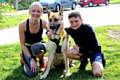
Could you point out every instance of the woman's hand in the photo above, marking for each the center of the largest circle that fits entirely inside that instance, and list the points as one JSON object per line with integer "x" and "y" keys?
{"x": 33, "y": 65}
{"x": 49, "y": 34}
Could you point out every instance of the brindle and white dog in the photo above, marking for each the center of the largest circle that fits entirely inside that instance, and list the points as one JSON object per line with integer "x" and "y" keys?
{"x": 57, "y": 44}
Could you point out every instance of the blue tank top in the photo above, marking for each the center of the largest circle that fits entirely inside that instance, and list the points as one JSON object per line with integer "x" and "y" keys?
{"x": 31, "y": 38}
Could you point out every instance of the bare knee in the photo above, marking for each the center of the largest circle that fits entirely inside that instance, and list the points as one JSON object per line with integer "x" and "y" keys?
{"x": 97, "y": 69}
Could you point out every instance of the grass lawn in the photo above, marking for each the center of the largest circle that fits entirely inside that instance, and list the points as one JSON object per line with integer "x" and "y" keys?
{"x": 115, "y": 1}
{"x": 109, "y": 38}
{"x": 11, "y": 20}
{"x": 14, "y": 20}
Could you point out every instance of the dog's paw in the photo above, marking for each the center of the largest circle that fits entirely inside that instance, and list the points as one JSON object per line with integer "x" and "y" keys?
{"x": 43, "y": 77}
{"x": 68, "y": 74}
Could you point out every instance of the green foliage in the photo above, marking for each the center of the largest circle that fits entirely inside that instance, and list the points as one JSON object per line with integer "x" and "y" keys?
{"x": 24, "y": 4}
{"x": 115, "y": 1}
{"x": 0, "y": 15}
{"x": 6, "y": 8}
{"x": 10, "y": 68}
{"x": 10, "y": 1}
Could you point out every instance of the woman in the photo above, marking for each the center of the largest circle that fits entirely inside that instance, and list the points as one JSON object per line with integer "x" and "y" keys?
{"x": 30, "y": 35}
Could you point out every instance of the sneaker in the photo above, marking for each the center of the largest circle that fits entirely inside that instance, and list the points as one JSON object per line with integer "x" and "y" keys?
{"x": 43, "y": 65}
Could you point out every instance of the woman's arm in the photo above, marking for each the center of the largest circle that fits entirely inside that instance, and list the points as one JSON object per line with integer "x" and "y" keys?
{"x": 48, "y": 31}
{"x": 22, "y": 39}
{"x": 45, "y": 25}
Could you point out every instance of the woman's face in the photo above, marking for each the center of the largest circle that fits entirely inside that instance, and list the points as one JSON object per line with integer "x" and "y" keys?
{"x": 75, "y": 22}
{"x": 35, "y": 12}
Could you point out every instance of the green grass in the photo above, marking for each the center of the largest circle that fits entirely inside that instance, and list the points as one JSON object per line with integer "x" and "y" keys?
{"x": 115, "y": 1}
{"x": 11, "y": 20}
{"x": 14, "y": 20}
{"x": 10, "y": 68}
{"x": 112, "y": 52}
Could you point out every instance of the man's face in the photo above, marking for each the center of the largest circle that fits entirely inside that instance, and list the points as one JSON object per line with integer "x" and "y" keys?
{"x": 75, "y": 22}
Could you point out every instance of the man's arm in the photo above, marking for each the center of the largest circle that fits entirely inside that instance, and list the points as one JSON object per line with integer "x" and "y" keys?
{"x": 92, "y": 41}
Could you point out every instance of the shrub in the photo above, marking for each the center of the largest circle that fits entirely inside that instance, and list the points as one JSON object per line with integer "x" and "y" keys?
{"x": 24, "y": 4}
{"x": 0, "y": 15}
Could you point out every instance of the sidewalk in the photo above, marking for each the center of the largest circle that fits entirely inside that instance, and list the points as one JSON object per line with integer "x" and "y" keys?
{"x": 16, "y": 12}
{"x": 9, "y": 36}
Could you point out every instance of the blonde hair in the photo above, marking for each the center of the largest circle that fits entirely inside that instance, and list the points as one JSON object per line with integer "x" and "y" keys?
{"x": 36, "y": 4}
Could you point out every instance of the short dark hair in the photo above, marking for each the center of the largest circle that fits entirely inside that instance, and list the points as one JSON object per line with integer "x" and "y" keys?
{"x": 74, "y": 14}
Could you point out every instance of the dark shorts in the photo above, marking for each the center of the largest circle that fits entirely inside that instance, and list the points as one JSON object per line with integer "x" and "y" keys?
{"x": 95, "y": 57}
{"x": 34, "y": 49}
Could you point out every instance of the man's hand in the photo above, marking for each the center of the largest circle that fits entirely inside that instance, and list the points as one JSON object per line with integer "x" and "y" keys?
{"x": 76, "y": 47}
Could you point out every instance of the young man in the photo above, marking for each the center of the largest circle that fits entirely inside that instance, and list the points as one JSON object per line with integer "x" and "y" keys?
{"x": 86, "y": 44}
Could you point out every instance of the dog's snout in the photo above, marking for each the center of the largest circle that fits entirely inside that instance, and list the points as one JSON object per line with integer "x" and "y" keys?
{"x": 52, "y": 27}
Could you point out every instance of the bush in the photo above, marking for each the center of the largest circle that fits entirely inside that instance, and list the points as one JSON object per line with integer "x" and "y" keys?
{"x": 0, "y": 15}
{"x": 6, "y": 8}
{"x": 115, "y": 1}
{"x": 24, "y": 4}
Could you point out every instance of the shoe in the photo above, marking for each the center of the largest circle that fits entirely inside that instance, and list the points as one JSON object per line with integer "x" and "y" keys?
{"x": 43, "y": 65}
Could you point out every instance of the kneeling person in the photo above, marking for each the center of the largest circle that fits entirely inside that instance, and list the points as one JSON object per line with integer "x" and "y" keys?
{"x": 86, "y": 44}
{"x": 30, "y": 35}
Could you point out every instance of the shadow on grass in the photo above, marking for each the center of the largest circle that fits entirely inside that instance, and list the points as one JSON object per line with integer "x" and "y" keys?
{"x": 55, "y": 74}
{"x": 81, "y": 75}
{"x": 18, "y": 74}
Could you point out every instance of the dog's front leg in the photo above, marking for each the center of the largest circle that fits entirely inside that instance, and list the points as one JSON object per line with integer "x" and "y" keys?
{"x": 51, "y": 54}
{"x": 65, "y": 47}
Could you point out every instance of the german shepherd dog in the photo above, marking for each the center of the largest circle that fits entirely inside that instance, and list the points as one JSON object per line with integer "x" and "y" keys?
{"x": 57, "y": 44}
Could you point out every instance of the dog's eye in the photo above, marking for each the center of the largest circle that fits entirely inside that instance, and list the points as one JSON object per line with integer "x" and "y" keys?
{"x": 55, "y": 19}
{"x": 50, "y": 20}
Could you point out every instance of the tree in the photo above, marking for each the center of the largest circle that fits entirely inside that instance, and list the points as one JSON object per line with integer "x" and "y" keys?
{"x": 20, "y": 4}
{"x": 14, "y": 3}
{"x": 0, "y": 15}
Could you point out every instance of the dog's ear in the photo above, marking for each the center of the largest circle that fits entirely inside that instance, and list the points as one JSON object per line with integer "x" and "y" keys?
{"x": 61, "y": 11}
{"x": 49, "y": 12}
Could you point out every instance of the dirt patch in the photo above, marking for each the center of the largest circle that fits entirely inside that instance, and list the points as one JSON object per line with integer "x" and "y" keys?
{"x": 114, "y": 34}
